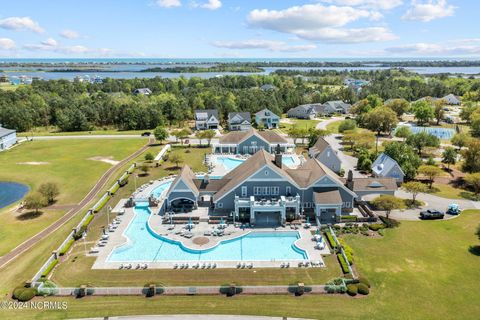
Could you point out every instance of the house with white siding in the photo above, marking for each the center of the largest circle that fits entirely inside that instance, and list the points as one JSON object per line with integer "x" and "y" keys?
{"x": 206, "y": 119}
{"x": 8, "y": 138}
{"x": 239, "y": 121}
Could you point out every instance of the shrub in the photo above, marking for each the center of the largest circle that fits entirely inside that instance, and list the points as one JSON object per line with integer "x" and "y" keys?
{"x": 149, "y": 157}
{"x": 24, "y": 294}
{"x": 88, "y": 220}
{"x": 352, "y": 289}
{"x": 49, "y": 268}
{"x": 364, "y": 281}
{"x": 114, "y": 188}
{"x": 348, "y": 251}
{"x": 376, "y": 226}
{"x": 79, "y": 234}
{"x": 99, "y": 205}
{"x": 330, "y": 240}
{"x": 230, "y": 289}
{"x": 389, "y": 222}
{"x": 66, "y": 247}
{"x": 363, "y": 289}
{"x": 347, "y": 125}
{"x": 343, "y": 263}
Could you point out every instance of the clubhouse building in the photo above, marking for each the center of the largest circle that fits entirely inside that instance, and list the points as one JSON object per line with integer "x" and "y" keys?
{"x": 264, "y": 192}
{"x": 251, "y": 141}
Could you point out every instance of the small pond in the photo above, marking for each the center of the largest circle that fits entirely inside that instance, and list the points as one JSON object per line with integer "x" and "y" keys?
{"x": 11, "y": 192}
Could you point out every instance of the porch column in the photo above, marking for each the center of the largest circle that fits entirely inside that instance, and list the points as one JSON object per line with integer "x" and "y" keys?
{"x": 252, "y": 211}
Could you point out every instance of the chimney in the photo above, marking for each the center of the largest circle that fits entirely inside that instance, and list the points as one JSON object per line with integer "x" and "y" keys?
{"x": 278, "y": 157}
{"x": 350, "y": 180}
{"x": 206, "y": 179}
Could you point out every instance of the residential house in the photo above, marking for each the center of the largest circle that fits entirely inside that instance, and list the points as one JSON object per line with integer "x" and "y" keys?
{"x": 142, "y": 91}
{"x": 386, "y": 167}
{"x": 206, "y": 119}
{"x": 323, "y": 152}
{"x": 239, "y": 121}
{"x": 264, "y": 192}
{"x": 7, "y": 138}
{"x": 267, "y": 119}
{"x": 304, "y": 111}
{"x": 355, "y": 84}
{"x": 452, "y": 100}
{"x": 249, "y": 142}
{"x": 338, "y": 106}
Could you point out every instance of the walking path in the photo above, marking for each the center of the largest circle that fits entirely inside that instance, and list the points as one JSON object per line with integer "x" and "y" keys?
{"x": 10, "y": 256}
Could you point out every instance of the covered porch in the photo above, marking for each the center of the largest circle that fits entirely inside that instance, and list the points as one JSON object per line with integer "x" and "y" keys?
{"x": 267, "y": 211}
{"x": 328, "y": 205}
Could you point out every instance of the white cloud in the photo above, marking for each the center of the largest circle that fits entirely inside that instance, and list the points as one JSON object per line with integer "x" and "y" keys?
{"x": 69, "y": 34}
{"x": 169, "y": 3}
{"x": 321, "y": 23}
{"x": 270, "y": 45}
{"x": 428, "y": 11}
{"x": 373, "y": 4}
{"x": 451, "y": 48}
{"x": 7, "y": 44}
{"x": 52, "y": 45}
{"x": 210, "y": 4}
{"x": 20, "y": 23}
{"x": 344, "y": 35}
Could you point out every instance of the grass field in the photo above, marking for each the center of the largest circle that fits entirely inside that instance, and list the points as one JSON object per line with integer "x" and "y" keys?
{"x": 299, "y": 123}
{"x": 54, "y": 131}
{"x": 333, "y": 127}
{"x": 67, "y": 164}
{"x": 412, "y": 279}
{"x": 8, "y": 86}
{"x": 446, "y": 191}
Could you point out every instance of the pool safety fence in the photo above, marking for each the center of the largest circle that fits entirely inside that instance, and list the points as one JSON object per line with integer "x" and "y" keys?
{"x": 82, "y": 225}
{"x": 151, "y": 290}
{"x": 342, "y": 252}
{"x": 162, "y": 152}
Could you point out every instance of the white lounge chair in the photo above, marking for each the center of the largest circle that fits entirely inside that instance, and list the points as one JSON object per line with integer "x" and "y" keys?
{"x": 175, "y": 266}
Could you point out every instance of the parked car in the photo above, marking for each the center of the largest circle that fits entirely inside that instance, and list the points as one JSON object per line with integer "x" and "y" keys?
{"x": 146, "y": 134}
{"x": 431, "y": 214}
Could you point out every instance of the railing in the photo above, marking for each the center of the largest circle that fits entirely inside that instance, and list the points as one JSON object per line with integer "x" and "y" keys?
{"x": 342, "y": 251}
{"x": 180, "y": 290}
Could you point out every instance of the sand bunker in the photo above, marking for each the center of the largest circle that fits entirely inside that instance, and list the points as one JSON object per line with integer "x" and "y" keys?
{"x": 34, "y": 163}
{"x": 108, "y": 160}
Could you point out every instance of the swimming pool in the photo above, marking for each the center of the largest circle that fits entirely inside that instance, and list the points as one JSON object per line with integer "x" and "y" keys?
{"x": 158, "y": 191}
{"x": 146, "y": 246}
{"x": 441, "y": 133}
{"x": 231, "y": 163}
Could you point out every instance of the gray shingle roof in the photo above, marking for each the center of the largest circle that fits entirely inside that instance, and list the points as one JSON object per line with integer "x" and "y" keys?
{"x": 241, "y": 115}
{"x": 383, "y": 164}
{"x": 238, "y": 136}
{"x": 5, "y": 132}
{"x": 209, "y": 113}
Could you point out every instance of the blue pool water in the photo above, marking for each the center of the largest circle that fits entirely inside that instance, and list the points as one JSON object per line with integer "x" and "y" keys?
{"x": 146, "y": 246}
{"x": 441, "y": 133}
{"x": 232, "y": 163}
{"x": 158, "y": 191}
{"x": 11, "y": 192}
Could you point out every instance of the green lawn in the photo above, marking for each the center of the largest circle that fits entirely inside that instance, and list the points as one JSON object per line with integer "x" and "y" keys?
{"x": 67, "y": 164}
{"x": 412, "y": 279}
{"x": 8, "y": 86}
{"x": 333, "y": 127}
{"x": 446, "y": 191}
{"x": 299, "y": 123}
{"x": 54, "y": 131}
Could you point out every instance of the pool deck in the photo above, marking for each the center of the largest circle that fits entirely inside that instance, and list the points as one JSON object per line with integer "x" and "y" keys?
{"x": 116, "y": 238}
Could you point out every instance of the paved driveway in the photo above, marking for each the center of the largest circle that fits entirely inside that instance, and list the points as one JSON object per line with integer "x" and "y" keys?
{"x": 431, "y": 202}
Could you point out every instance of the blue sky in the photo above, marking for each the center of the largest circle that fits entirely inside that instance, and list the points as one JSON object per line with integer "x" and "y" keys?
{"x": 239, "y": 28}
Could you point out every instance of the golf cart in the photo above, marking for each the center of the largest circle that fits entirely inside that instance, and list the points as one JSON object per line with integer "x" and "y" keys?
{"x": 453, "y": 209}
